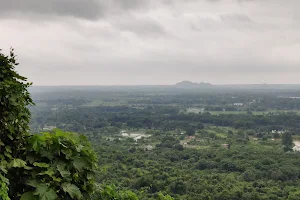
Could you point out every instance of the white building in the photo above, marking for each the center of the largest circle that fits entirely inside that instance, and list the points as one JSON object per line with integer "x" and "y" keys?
{"x": 238, "y": 104}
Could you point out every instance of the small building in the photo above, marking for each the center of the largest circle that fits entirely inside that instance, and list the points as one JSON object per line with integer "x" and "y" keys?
{"x": 238, "y": 104}
{"x": 226, "y": 146}
{"x": 124, "y": 133}
{"x": 149, "y": 148}
{"x": 280, "y": 132}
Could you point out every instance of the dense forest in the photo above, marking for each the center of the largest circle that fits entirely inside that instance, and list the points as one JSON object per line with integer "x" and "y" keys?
{"x": 183, "y": 144}
{"x": 145, "y": 143}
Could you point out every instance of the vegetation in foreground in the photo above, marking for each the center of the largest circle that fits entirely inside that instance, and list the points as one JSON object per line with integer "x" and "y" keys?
{"x": 144, "y": 149}
{"x": 46, "y": 166}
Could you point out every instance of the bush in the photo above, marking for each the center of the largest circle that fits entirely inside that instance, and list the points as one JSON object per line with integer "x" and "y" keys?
{"x": 62, "y": 164}
{"x": 110, "y": 192}
{"x": 14, "y": 119}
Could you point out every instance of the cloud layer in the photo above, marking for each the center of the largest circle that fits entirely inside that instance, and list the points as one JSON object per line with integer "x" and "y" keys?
{"x": 66, "y": 42}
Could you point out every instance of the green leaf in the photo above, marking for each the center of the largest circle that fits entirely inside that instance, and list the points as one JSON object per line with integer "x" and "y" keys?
{"x": 7, "y": 155}
{"x": 30, "y": 158}
{"x": 68, "y": 153}
{"x": 56, "y": 179}
{"x": 45, "y": 193}
{"x": 38, "y": 141}
{"x": 42, "y": 165}
{"x": 29, "y": 196}
{"x": 79, "y": 148}
{"x": 32, "y": 183}
{"x": 64, "y": 173}
{"x": 41, "y": 189}
{"x": 49, "y": 172}
{"x": 28, "y": 168}
{"x": 90, "y": 176}
{"x": 17, "y": 163}
{"x": 10, "y": 137}
{"x": 8, "y": 149}
{"x": 72, "y": 190}
{"x": 80, "y": 164}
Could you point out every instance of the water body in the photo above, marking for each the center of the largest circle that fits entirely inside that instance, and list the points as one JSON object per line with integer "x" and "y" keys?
{"x": 297, "y": 143}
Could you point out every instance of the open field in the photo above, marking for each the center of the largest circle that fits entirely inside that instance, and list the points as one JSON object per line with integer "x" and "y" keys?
{"x": 103, "y": 103}
{"x": 253, "y": 112}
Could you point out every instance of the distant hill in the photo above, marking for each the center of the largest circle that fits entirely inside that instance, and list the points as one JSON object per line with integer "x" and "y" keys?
{"x": 192, "y": 84}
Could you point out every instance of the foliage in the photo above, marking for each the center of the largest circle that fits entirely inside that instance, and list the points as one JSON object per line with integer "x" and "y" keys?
{"x": 62, "y": 165}
{"x": 14, "y": 119}
{"x": 287, "y": 141}
{"x": 46, "y": 166}
{"x": 110, "y": 192}
{"x": 83, "y": 119}
{"x": 161, "y": 196}
{"x": 190, "y": 131}
{"x": 243, "y": 172}
{"x": 200, "y": 167}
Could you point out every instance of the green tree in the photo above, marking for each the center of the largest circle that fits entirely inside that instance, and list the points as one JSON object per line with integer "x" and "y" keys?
{"x": 294, "y": 195}
{"x": 14, "y": 119}
{"x": 190, "y": 131}
{"x": 110, "y": 192}
{"x": 287, "y": 141}
{"x": 62, "y": 166}
{"x": 161, "y": 196}
{"x": 45, "y": 166}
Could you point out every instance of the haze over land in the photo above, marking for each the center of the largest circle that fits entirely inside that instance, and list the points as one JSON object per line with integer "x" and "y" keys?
{"x": 145, "y": 42}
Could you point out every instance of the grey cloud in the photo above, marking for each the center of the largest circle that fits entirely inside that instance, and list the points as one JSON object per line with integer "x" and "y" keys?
{"x": 235, "y": 0}
{"x": 139, "y": 25}
{"x": 235, "y": 17}
{"x": 131, "y": 4}
{"x": 224, "y": 21}
{"x": 87, "y": 9}
{"x": 140, "y": 41}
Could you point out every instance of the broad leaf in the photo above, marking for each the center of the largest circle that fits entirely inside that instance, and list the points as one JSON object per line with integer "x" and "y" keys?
{"x": 29, "y": 196}
{"x": 17, "y": 163}
{"x": 32, "y": 183}
{"x": 72, "y": 190}
{"x": 42, "y": 165}
{"x": 80, "y": 164}
{"x": 64, "y": 173}
{"x": 45, "y": 193}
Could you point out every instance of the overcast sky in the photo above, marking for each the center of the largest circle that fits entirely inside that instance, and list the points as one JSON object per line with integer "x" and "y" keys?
{"x": 128, "y": 42}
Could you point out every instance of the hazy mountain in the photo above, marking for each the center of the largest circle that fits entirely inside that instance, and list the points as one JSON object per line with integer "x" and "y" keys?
{"x": 192, "y": 84}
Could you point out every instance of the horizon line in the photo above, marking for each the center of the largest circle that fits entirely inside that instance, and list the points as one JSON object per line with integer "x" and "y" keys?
{"x": 232, "y": 84}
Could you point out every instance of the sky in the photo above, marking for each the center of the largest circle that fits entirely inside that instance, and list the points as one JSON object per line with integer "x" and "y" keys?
{"x": 153, "y": 42}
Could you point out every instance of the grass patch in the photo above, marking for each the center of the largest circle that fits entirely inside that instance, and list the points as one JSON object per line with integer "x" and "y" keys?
{"x": 253, "y": 112}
